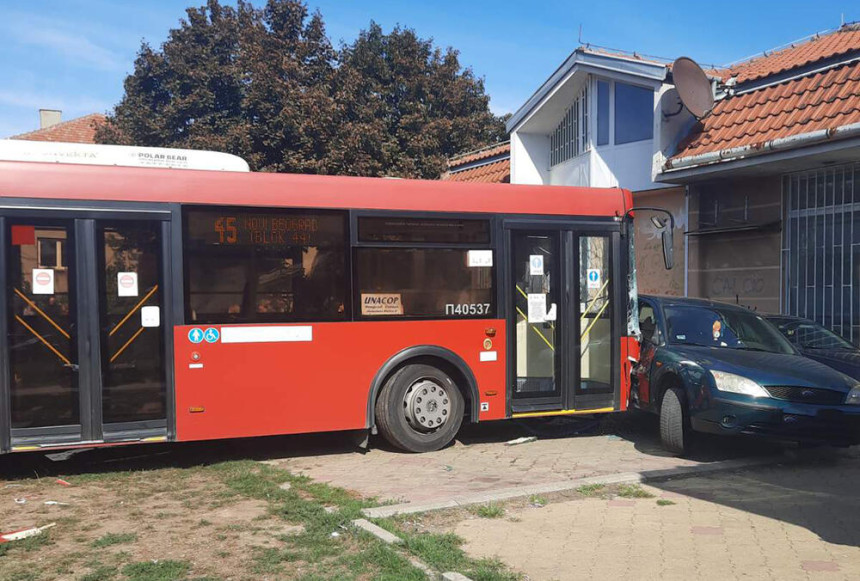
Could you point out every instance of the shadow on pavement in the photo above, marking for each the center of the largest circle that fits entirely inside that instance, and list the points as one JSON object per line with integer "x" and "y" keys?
{"x": 815, "y": 489}
{"x": 175, "y": 455}
{"x": 638, "y": 428}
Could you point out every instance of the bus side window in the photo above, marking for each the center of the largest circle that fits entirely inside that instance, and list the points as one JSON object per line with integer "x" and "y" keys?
{"x": 265, "y": 265}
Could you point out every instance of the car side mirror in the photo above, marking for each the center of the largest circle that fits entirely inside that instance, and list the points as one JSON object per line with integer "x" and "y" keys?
{"x": 668, "y": 247}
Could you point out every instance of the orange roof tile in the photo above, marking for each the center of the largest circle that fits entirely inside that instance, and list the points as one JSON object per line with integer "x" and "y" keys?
{"x": 479, "y": 154}
{"x": 79, "y": 130}
{"x": 823, "y": 100}
{"x": 497, "y": 168}
{"x": 497, "y": 172}
{"x": 842, "y": 41}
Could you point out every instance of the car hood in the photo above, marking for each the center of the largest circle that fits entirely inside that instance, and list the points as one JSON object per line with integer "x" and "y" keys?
{"x": 767, "y": 368}
{"x": 844, "y": 360}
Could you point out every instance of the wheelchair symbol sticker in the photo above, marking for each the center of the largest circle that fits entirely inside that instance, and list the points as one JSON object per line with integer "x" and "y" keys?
{"x": 195, "y": 335}
{"x": 211, "y": 335}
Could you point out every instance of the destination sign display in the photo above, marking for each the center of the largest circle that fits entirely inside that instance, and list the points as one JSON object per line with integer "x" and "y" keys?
{"x": 262, "y": 230}
{"x": 265, "y": 229}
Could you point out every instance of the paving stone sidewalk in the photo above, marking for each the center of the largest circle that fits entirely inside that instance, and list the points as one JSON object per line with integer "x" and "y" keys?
{"x": 481, "y": 462}
{"x": 786, "y": 522}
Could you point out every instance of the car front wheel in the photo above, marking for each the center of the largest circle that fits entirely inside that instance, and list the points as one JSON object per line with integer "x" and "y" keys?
{"x": 673, "y": 421}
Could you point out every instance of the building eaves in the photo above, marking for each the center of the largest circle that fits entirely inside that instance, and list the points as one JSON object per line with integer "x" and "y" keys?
{"x": 591, "y": 60}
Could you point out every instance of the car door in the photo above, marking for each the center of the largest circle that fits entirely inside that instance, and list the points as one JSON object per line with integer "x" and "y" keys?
{"x": 648, "y": 350}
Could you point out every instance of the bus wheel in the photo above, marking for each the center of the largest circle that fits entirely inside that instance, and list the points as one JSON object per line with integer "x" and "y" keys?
{"x": 420, "y": 408}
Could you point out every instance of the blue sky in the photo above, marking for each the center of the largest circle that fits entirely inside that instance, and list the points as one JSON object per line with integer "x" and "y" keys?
{"x": 74, "y": 54}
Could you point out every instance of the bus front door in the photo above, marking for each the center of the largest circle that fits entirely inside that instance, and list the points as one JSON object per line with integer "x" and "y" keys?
{"x": 82, "y": 343}
{"x": 562, "y": 318}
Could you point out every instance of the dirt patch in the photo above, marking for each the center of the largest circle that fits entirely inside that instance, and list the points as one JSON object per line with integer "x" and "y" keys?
{"x": 107, "y": 522}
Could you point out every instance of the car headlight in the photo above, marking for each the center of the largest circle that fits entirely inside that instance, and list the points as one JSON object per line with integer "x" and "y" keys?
{"x": 738, "y": 384}
{"x": 853, "y": 396}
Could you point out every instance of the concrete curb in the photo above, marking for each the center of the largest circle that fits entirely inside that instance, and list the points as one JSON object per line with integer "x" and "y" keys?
{"x": 566, "y": 485}
{"x": 378, "y": 532}
{"x": 392, "y": 539}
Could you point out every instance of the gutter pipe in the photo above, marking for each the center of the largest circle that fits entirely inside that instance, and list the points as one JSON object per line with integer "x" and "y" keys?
{"x": 781, "y": 143}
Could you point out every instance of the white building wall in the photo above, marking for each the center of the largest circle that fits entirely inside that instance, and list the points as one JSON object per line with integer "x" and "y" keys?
{"x": 573, "y": 172}
{"x": 529, "y": 158}
{"x": 631, "y": 165}
{"x": 627, "y": 166}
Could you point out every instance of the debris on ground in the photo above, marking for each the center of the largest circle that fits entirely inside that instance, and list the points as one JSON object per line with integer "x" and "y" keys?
{"x": 55, "y": 503}
{"x": 62, "y": 456}
{"x": 63, "y": 482}
{"x": 24, "y": 533}
{"x": 20, "y": 501}
{"x": 522, "y": 440}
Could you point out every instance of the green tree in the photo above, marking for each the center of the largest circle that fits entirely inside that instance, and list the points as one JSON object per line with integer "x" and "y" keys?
{"x": 267, "y": 85}
{"x": 405, "y": 107}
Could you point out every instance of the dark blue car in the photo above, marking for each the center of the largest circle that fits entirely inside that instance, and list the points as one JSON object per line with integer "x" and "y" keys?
{"x": 723, "y": 369}
{"x": 820, "y": 343}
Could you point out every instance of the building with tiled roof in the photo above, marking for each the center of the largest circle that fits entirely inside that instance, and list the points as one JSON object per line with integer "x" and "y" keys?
{"x": 763, "y": 188}
{"x": 491, "y": 164}
{"x": 805, "y": 93}
{"x": 78, "y": 130}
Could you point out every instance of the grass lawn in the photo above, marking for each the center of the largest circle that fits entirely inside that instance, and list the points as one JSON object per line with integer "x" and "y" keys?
{"x": 234, "y": 520}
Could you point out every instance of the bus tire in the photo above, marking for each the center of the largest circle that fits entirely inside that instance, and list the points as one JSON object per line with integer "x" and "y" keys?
{"x": 673, "y": 421}
{"x": 419, "y": 409}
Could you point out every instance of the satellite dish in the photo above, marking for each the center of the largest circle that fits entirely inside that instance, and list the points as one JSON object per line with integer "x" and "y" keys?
{"x": 693, "y": 86}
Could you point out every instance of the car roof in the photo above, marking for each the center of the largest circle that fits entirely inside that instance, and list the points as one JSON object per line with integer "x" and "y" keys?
{"x": 788, "y": 319}
{"x": 669, "y": 301}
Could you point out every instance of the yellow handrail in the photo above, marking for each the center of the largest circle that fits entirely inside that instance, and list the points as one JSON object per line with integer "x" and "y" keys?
{"x": 133, "y": 311}
{"x": 62, "y": 357}
{"x": 41, "y": 312}
{"x": 127, "y": 343}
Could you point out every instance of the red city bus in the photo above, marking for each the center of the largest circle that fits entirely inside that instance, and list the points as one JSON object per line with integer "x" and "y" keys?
{"x": 146, "y": 304}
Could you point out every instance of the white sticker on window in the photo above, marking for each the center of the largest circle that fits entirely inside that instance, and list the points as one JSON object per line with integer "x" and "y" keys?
{"x": 126, "y": 284}
{"x": 375, "y": 304}
{"x": 536, "y": 265}
{"x": 479, "y": 258}
{"x": 593, "y": 278}
{"x": 551, "y": 314}
{"x": 537, "y": 308}
{"x": 150, "y": 317}
{"x": 43, "y": 281}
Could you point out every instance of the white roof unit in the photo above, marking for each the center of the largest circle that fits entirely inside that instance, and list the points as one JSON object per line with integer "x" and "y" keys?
{"x": 122, "y": 155}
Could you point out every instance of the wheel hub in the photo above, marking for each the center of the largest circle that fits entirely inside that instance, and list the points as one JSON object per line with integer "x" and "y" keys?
{"x": 427, "y": 405}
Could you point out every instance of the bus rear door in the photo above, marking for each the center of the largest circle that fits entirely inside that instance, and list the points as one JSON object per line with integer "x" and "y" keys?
{"x": 82, "y": 332}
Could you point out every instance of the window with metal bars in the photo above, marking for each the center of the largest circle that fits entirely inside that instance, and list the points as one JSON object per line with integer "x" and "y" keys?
{"x": 570, "y": 137}
{"x": 821, "y": 248}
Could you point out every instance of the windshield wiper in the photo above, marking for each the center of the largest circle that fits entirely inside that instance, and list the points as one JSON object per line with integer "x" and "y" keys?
{"x": 746, "y": 348}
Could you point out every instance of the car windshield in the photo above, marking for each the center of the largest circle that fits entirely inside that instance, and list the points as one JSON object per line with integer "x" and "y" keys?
{"x": 725, "y": 328}
{"x": 811, "y": 335}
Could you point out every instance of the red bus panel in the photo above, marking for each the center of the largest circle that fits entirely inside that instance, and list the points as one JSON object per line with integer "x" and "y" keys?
{"x": 296, "y": 385}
